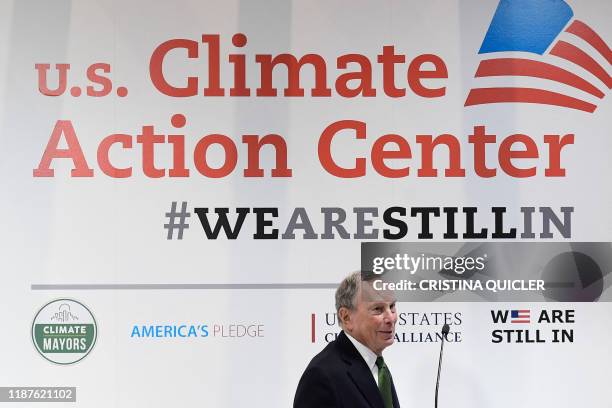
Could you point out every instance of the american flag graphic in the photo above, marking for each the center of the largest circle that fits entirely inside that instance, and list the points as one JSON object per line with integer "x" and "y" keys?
{"x": 520, "y": 316}
{"x": 566, "y": 61}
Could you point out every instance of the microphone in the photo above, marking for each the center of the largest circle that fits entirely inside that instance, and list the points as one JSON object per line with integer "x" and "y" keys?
{"x": 445, "y": 330}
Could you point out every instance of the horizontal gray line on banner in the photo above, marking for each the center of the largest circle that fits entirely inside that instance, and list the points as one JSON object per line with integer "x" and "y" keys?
{"x": 182, "y": 286}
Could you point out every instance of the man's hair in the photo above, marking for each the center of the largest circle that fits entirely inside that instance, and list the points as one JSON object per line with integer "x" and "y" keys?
{"x": 346, "y": 293}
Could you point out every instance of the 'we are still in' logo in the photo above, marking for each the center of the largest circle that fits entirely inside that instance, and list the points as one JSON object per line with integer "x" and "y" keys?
{"x": 541, "y": 40}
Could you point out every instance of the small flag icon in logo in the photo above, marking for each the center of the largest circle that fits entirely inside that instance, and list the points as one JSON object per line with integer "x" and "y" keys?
{"x": 520, "y": 316}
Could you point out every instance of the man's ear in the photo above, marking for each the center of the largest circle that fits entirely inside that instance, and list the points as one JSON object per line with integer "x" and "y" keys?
{"x": 344, "y": 315}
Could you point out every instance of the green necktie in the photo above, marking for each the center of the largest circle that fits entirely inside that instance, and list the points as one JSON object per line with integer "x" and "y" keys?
{"x": 384, "y": 382}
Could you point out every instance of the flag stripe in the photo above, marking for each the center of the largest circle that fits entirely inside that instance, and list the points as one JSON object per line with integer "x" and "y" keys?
{"x": 536, "y": 69}
{"x": 481, "y": 96}
{"x": 580, "y": 29}
{"x": 574, "y": 54}
{"x": 520, "y": 321}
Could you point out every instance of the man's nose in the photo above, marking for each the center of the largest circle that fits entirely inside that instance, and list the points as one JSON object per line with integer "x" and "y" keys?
{"x": 390, "y": 316}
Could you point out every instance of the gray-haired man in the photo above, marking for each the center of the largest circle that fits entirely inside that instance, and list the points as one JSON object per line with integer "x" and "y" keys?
{"x": 350, "y": 372}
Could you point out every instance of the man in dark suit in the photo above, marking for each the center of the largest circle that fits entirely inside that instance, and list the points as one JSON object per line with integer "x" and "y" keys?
{"x": 350, "y": 372}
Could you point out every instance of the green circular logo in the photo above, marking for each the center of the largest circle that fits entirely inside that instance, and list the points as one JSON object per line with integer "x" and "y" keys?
{"x": 64, "y": 331}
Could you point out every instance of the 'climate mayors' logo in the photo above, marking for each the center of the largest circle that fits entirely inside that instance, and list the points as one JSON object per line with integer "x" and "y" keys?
{"x": 64, "y": 331}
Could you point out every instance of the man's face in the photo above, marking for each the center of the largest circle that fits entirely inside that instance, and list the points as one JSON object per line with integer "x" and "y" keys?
{"x": 372, "y": 321}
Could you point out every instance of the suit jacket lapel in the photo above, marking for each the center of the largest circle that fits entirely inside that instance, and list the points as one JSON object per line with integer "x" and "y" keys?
{"x": 395, "y": 400}
{"x": 359, "y": 372}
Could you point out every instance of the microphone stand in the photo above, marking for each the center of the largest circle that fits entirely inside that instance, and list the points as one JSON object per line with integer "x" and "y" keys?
{"x": 445, "y": 330}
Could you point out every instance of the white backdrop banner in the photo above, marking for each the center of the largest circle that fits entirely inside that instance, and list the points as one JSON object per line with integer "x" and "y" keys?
{"x": 186, "y": 182}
